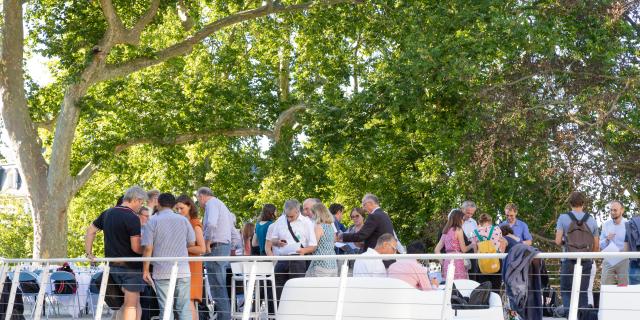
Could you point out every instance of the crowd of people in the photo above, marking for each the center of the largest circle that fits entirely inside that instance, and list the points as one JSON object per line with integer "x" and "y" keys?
{"x": 154, "y": 224}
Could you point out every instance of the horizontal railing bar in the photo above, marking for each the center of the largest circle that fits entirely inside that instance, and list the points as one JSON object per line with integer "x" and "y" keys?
{"x": 426, "y": 256}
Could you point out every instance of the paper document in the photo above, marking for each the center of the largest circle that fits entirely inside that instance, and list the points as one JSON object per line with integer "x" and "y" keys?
{"x": 290, "y": 248}
{"x": 612, "y": 248}
{"x": 348, "y": 244}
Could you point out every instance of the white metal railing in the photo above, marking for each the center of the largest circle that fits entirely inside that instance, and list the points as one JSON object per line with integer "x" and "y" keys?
{"x": 5, "y": 268}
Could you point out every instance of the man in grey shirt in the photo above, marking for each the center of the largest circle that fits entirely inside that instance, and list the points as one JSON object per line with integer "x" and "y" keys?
{"x": 577, "y": 201}
{"x": 217, "y": 222}
{"x": 168, "y": 234}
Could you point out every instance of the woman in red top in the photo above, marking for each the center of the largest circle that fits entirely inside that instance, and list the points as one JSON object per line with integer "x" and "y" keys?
{"x": 186, "y": 208}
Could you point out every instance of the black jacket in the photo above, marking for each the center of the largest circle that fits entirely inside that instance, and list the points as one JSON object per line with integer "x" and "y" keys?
{"x": 377, "y": 224}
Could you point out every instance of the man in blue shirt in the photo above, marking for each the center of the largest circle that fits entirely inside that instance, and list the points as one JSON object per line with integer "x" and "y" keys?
{"x": 336, "y": 210}
{"x": 520, "y": 229}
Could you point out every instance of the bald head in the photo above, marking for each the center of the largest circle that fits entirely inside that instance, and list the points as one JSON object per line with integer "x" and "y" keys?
{"x": 307, "y": 204}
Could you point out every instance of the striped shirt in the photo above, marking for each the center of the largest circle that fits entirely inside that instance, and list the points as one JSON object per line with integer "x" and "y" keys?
{"x": 170, "y": 234}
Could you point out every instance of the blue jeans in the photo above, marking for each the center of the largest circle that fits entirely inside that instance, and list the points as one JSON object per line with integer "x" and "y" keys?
{"x": 566, "y": 281}
{"x": 217, "y": 275}
{"x": 182, "y": 296}
{"x": 634, "y": 271}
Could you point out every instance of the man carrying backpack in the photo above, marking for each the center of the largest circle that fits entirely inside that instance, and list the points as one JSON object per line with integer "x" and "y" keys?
{"x": 576, "y": 231}
{"x": 632, "y": 243}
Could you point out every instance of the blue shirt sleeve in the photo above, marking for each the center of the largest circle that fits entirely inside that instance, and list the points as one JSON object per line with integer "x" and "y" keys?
{"x": 526, "y": 235}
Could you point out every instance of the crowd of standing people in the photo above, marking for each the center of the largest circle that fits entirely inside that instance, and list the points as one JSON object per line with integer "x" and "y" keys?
{"x": 154, "y": 224}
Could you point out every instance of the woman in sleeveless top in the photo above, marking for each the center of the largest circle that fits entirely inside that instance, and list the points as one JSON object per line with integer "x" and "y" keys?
{"x": 267, "y": 217}
{"x": 512, "y": 240}
{"x": 326, "y": 242}
{"x": 186, "y": 208}
{"x": 453, "y": 241}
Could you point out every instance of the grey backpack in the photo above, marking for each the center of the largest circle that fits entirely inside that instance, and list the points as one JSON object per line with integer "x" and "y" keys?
{"x": 579, "y": 237}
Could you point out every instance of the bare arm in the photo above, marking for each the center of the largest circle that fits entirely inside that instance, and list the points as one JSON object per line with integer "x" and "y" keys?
{"x": 559, "y": 237}
{"x": 460, "y": 237}
{"x": 135, "y": 244}
{"x": 503, "y": 245}
{"x": 528, "y": 242}
{"x": 267, "y": 247}
{"x": 596, "y": 244}
{"x": 88, "y": 240}
{"x": 148, "y": 250}
{"x": 439, "y": 246}
{"x": 310, "y": 249}
{"x": 199, "y": 246}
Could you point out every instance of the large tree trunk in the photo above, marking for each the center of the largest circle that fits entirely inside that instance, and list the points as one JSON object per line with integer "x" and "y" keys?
{"x": 50, "y": 226}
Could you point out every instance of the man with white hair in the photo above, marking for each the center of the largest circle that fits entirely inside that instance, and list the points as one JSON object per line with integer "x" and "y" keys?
{"x": 469, "y": 224}
{"x": 217, "y": 225}
{"x": 121, "y": 227}
{"x": 377, "y": 224}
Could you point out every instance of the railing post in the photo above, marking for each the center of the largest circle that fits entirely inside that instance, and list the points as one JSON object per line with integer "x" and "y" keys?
{"x": 44, "y": 279}
{"x": 168, "y": 304}
{"x": 103, "y": 291}
{"x": 248, "y": 298}
{"x": 14, "y": 288}
{"x": 575, "y": 290}
{"x": 3, "y": 274}
{"x": 448, "y": 288}
{"x": 344, "y": 270}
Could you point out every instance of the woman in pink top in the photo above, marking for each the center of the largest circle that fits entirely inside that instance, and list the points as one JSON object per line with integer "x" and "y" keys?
{"x": 453, "y": 242}
{"x": 411, "y": 271}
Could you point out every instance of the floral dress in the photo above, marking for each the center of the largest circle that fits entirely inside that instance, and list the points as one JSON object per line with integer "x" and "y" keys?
{"x": 452, "y": 245}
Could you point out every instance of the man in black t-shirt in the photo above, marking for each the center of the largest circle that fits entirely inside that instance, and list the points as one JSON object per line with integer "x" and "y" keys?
{"x": 121, "y": 227}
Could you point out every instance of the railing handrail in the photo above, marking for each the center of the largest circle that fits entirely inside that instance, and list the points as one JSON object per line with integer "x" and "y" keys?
{"x": 425, "y": 256}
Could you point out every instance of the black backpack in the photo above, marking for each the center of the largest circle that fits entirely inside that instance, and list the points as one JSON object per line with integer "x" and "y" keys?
{"x": 478, "y": 299}
{"x": 579, "y": 237}
{"x": 65, "y": 286}
{"x": 29, "y": 286}
{"x": 549, "y": 301}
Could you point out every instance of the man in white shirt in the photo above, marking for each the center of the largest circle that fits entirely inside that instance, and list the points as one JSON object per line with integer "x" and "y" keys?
{"x": 217, "y": 224}
{"x": 469, "y": 224}
{"x": 613, "y": 233}
{"x": 386, "y": 244}
{"x": 290, "y": 236}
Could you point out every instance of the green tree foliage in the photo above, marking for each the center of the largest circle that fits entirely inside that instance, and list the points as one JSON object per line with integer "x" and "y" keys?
{"x": 16, "y": 229}
{"x": 424, "y": 103}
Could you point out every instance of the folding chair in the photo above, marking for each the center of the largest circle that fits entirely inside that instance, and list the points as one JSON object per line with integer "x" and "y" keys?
{"x": 63, "y": 276}
{"x": 30, "y": 288}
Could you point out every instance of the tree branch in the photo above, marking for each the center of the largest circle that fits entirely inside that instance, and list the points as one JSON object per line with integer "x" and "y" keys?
{"x": 109, "y": 12}
{"x": 186, "y": 46}
{"x": 537, "y": 236}
{"x": 133, "y": 36}
{"x": 285, "y": 118}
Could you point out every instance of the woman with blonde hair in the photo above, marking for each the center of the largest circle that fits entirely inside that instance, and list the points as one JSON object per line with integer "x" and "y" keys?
{"x": 326, "y": 241}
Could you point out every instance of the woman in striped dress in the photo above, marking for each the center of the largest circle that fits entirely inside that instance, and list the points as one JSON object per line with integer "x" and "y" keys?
{"x": 326, "y": 242}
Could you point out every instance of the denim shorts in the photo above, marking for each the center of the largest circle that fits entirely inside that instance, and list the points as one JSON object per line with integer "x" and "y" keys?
{"x": 129, "y": 279}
